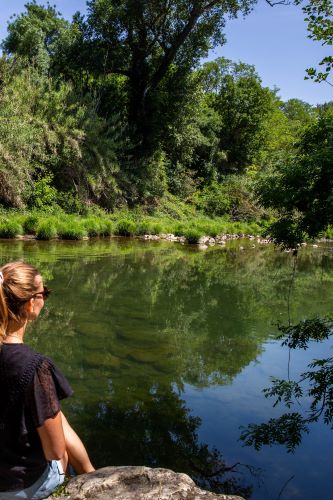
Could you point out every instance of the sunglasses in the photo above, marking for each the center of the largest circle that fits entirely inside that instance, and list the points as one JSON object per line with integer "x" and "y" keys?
{"x": 45, "y": 292}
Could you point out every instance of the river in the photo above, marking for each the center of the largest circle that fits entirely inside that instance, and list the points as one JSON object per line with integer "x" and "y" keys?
{"x": 168, "y": 349}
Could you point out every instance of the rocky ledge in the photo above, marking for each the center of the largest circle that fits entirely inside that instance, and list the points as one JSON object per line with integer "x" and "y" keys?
{"x": 136, "y": 483}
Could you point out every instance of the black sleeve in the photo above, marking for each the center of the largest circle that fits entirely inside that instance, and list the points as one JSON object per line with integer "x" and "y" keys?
{"x": 49, "y": 386}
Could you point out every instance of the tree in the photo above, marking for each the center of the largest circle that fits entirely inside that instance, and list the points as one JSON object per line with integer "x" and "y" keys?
{"x": 141, "y": 41}
{"x": 300, "y": 187}
{"x": 32, "y": 35}
{"x": 49, "y": 130}
{"x": 301, "y": 191}
{"x": 319, "y": 16}
{"x": 235, "y": 92}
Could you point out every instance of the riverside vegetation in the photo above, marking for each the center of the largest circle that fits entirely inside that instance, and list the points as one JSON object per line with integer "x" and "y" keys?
{"x": 122, "y": 129}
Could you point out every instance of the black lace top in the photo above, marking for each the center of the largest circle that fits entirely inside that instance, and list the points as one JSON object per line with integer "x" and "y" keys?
{"x": 30, "y": 390}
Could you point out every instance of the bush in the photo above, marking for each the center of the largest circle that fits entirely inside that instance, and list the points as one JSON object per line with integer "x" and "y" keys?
{"x": 72, "y": 230}
{"x": 44, "y": 194}
{"x": 30, "y": 224}
{"x": 107, "y": 227}
{"x": 10, "y": 229}
{"x": 327, "y": 233}
{"x": 143, "y": 227}
{"x": 213, "y": 199}
{"x": 126, "y": 227}
{"x": 192, "y": 235}
{"x": 180, "y": 230}
{"x": 46, "y": 230}
{"x": 93, "y": 227}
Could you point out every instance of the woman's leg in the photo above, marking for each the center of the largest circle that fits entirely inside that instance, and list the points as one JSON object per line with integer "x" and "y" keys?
{"x": 77, "y": 454}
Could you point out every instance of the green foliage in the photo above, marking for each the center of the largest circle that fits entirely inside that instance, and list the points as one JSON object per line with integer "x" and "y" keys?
{"x": 71, "y": 203}
{"x": 192, "y": 234}
{"x": 107, "y": 227}
{"x": 213, "y": 199}
{"x": 30, "y": 224}
{"x": 44, "y": 194}
{"x": 287, "y": 391}
{"x": 314, "y": 389}
{"x": 319, "y": 16}
{"x": 301, "y": 187}
{"x": 125, "y": 227}
{"x": 243, "y": 105}
{"x": 286, "y": 430}
{"x": 172, "y": 207}
{"x": 98, "y": 226}
{"x": 298, "y": 336}
{"x": 71, "y": 230}
{"x": 148, "y": 227}
{"x": 51, "y": 139}
{"x": 46, "y": 230}
{"x": 10, "y": 229}
{"x": 116, "y": 112}
{"x": 32, "y": 35}
{"x": 233, "y": 196}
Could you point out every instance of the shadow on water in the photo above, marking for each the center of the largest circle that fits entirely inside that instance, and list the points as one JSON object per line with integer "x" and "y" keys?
{"x": 131, "y": 324}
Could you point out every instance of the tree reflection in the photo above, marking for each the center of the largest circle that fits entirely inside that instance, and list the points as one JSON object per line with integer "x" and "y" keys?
{"x": 159, "y": 431}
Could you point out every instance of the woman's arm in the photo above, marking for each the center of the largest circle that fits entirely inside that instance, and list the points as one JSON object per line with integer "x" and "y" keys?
{"x": 77, "y": 454}
{"x": 60, "y": 442}
{"x": 52, "y": 436}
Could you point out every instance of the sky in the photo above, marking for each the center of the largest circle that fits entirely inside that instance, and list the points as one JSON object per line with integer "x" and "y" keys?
{"x": 274, "y": 40}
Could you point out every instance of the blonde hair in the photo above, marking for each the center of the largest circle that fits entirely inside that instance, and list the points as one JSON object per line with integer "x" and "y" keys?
{"x": 17, "y": 286}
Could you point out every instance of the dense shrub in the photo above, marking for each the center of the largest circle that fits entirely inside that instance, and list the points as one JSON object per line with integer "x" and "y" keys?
{"x": 93, "y": 227}
{"x": 10, "y": 229}
{"x": 126, "y": 227}
{"x": 193, "y": 235}
{"x": 30, "y": 224}
{"x": 71, "y": 230}
{"x": 107, "y": 227}
{"x": 213, "y": 199}
{"x": 46, "y": 230}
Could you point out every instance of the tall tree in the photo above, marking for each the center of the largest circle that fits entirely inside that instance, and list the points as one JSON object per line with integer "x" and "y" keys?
{"x": 301, "y": 187}
{"x": 235, "y": 92}
{"x": 32, "y": 35}
{"x": 142, "y": 41}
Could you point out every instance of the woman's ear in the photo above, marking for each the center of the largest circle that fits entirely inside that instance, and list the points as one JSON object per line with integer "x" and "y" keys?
{"x": 29, "y": 306}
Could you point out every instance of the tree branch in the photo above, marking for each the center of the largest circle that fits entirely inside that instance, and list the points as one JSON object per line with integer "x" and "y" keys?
{"x": 172, "y": 51}
{"x": 282, "y": 2}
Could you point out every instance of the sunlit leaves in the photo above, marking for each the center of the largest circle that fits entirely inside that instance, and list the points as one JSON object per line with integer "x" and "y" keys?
{"x": 319, "y": 17}
{"x": 300, "y": 188}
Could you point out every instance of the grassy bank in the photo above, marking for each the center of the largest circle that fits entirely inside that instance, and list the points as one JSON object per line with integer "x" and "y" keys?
{"x": 192, "y": 226}
{"x": 46, "y": 226}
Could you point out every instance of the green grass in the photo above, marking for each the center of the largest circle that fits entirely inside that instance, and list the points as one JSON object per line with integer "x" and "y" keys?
{"x": 126, "y": 227}
{"x": 193, "y": 235}
{"x": 123, "y": 223}
{"x": 10, "y": 229}
{"x": 46, "y": 230}
{"x": 30, "y": 224}
{"x": 72, "y": 230}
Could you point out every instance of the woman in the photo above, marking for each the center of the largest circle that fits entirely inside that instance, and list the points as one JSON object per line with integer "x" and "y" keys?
{"x": 36, "y": 442}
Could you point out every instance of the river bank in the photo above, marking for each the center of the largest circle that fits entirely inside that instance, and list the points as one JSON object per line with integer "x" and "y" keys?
{"x": 195, "y": 229}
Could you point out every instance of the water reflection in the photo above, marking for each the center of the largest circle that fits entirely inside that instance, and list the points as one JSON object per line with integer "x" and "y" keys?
{"x": 131, "y": 323}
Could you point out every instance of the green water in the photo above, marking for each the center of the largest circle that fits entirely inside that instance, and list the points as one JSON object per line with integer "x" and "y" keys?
{"x": 168, "y": 347}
